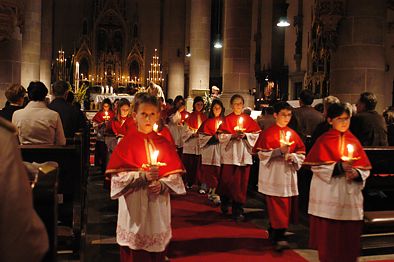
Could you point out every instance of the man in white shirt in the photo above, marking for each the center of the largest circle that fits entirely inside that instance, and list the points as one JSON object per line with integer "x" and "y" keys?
{"x": 36, "y": 123}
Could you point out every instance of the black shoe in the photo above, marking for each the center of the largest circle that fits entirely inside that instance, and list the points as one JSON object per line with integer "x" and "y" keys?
{"x": 224, "y": 208}
{"x": 281, "y": 245}
{"x": 239, "y": 218}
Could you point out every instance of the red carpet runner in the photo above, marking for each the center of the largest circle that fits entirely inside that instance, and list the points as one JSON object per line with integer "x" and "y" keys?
{"x": 201, "y": 233}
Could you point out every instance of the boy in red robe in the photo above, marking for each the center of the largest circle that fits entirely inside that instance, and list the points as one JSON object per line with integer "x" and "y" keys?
{"x": 144, "y": 169}
{"x": 281, "y": 153}
{"x": 238, "y": 134}
{"x": 340, "y": 168}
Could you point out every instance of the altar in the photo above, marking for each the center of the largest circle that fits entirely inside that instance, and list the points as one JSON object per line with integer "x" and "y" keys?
{"x": 98, "y": 98}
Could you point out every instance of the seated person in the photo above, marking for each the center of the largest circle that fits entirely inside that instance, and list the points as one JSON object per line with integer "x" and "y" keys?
{"x": 36, "y": 123}
{"x": 15, "y": 95}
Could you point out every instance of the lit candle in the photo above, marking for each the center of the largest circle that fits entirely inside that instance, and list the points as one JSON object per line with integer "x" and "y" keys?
{"x": 287, "y": 137}
{"x": 218, "y": 123}
{"x": 154, "y": 156}
{"x": 350, "y": 151}
{"x": 106, "y": 116}
{"x": 240, "y": 123}
{"x": 155, "y": 127}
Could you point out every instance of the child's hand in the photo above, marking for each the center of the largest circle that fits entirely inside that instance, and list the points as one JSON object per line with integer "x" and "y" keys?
{"x": 154, "y": 187}
{"x": 350, "y": 172}
{"x": 152, "y": 174}
{"x": 290, "y": 158}
{"x": 284, "y": 149}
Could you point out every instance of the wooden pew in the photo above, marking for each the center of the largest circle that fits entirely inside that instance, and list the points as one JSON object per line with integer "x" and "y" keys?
{"x": 45, "y": 204}
{"x": 379, "y": 202}
{"x": 72, "y": 181}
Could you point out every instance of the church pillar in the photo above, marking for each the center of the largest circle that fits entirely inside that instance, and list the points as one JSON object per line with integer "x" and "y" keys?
{"x": 175, "y": 41}
{"x": 10, "y": 45}
{"x": 200, "y": 43}
{"x": 236, "y": 50}
{"x": 31, "y": 42}
{"x": 358, "y": 63}
{"x": 46, "y": 42}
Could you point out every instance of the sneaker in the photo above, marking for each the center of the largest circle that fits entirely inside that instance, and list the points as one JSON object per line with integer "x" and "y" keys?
{"x": 202, "y": 191}
{"x": 239, "y": 218}
{"x": 282, "y": 245}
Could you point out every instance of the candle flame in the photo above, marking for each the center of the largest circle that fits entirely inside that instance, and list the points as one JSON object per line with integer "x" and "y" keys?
{"x": 240, "y": 120}
{"x": 155, "y": 127}
{"x": 350, "y": 148}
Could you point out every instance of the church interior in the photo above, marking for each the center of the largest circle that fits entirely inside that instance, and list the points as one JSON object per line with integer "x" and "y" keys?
{"x": 267, "y": 51}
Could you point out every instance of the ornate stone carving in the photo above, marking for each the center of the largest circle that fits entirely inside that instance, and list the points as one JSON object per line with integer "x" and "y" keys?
{"x": 327, "y": 15}
{"x": 10, "y": 18}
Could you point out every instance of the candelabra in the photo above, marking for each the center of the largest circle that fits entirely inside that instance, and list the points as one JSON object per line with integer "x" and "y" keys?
{"x": 61, "y": 65}
{"x": 155, "y": 74}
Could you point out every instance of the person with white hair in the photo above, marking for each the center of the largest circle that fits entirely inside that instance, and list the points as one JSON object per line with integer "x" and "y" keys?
{"x": 155, "y": 90}
{"x": 215, "y": 92}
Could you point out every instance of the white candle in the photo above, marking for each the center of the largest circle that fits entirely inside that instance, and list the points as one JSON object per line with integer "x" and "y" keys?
{"x": 102, "y": 90}
{"x": 155, "y": 127}
{"x": 106, "y": 89}
{"x": 153, "y": 157}
{"x": 111, "y": 90}
{"x": 218, "y": 123}
{"x": 287, "y": 136}
{"x": 350, "y": 151}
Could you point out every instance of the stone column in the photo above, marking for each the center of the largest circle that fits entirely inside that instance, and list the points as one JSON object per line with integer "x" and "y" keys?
{"x": 175, "y": 42}
{"x": 358, "y": 64}
{"x": 31, "y": 42}
{"x": 46, "y": 42}
{"x": 10, "y": 45}
{"x": 236, "y": 50}
{"x": 200, "y": 43}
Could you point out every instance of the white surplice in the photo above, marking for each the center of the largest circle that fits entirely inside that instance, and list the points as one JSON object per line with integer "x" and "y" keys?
{"x": 278, "y": 177}
{"x": 191, "y": 143}
{"x": 334, "y": 197}
{"x": 176, "y": 128}
{"x": 237, "y": 152}
{"x": 210, "y": 154}
{"x": 144, "y": 220}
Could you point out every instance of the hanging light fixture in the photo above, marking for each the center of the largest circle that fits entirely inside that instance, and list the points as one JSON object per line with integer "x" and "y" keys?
{"x": 283, "y": 20}
{"x": 218, "y": 42}
{"x": 188, "y": 54}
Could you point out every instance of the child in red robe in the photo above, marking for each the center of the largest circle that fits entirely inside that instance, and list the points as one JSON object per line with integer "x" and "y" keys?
{"x": 144, "y": 216}
{"x": 176, "y": 119}
{"x": 238, "y": 134}
{"x": 210, "y": 149}
{"x": 118, "y": 124}
{"x": 340, "y": 168}
{"x": 281, "y": 153}
{"x": 101, "y": 122}
{"x": 191, "y": 156}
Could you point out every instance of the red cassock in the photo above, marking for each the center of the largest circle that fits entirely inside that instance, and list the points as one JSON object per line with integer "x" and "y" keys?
{"x": 193, "y": 162}
{"x": 99, "y": 117}
{"x": 119, "y": 127}
{"x": 270, "y": 140}
{"x": 281, "y": 210}
{"x": 210, "y": 126}
{"x": 231, "y": 121}
{"x": 165, "y": 132}
{"x": 332, "y": 145}
{"x": 234, "y": 179}
{"x": 193, "y": 120}
{"x": 210, "y": 173}
{"x": 132, "y": 153}
{"x": 336, "y": 240}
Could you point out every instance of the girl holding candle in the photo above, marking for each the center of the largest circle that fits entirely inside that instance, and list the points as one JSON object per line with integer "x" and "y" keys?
{"x": 340, "y": 168}
{"x": 281, "y": 153}
{"x": 236, "y": 158}
{"x": 118, "y": 124}
{"x": 143, "y": 188}
{"x": 210, "y": 149}
{"x": 177, "y": 116}
{"x": 191, "y": 156}
{"x": 101, "y": 123}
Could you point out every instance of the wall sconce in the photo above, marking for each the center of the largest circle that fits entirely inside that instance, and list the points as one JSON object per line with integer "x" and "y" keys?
{"x": 188, "y": 54}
